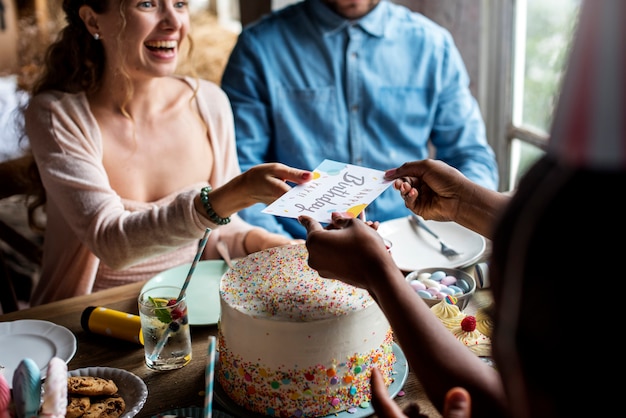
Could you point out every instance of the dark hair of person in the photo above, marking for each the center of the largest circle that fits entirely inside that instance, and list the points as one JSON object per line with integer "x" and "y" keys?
{"x": 550, "y": 248}
{"x": 75, "y": 62}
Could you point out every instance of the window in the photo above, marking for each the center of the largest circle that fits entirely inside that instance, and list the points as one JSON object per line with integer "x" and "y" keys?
{"x": 526, "y": 61}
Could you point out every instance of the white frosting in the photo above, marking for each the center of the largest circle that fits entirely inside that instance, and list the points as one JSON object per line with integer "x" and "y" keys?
{"x": 280, "y": 343}
{"x": 295, "y": 344}
{"x": 275, "y": 296}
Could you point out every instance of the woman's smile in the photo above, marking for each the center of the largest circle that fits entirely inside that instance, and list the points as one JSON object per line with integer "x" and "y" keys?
{"x": 162, "y": 49}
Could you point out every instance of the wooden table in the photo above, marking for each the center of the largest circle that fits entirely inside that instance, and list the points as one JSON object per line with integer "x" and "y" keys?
{"x": 166, "y": 390}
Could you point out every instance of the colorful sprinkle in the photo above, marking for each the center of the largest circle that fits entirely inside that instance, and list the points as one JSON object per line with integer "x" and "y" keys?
{"x": 277, "y": 284}
{"x": 451, "y": 300}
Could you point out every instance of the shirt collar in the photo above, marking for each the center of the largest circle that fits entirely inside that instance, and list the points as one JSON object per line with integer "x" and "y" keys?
{"x": 373, "y": 23}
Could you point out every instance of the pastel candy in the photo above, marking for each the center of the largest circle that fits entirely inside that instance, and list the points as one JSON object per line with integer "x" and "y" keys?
{"x": 448, "y": 280}
{"x": 463, "y": 285}
{"x": 430, "y": 283}
{"x": 447, "y": 291}
{"x": 417, "y": 285}
{"x": 55, "y": 389}
{"x": 457, "y": 289}
{"x": 438, "y": 285}
{"x": 27, "y": 389}
{"x": 433, "y": 291}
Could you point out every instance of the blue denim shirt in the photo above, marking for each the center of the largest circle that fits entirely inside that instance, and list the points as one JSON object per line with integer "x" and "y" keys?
{"x": 306, "y": 85}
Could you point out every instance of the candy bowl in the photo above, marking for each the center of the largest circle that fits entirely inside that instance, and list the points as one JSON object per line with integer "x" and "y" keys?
{"x": 435, "y": 283}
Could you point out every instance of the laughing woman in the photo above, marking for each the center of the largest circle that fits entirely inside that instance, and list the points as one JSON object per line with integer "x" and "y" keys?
{"x": 135, "y": 162}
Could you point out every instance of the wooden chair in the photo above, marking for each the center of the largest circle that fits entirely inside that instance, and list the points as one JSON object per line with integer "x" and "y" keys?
{"x": 18, "y": 245}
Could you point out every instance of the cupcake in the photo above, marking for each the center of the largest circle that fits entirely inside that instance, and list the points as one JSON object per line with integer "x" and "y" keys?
{"x": 473, "y": 331}
{"x": 448, "y": 312}
{"x": 484, "y": 322}
{"x": 476, "y": 341}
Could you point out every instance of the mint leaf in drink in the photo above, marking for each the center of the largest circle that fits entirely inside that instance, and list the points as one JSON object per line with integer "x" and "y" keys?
{"x": 162, "y": 315}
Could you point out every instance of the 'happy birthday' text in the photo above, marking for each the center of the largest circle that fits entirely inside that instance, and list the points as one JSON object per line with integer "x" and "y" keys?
{"x": 340, "y": 190}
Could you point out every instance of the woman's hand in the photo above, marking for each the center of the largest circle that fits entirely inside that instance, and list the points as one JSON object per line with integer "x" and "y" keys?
{"x": 457, "y": 404}
{"x": 267, "y": 182}
{"x": 263, "y": 183}
{"x": 348, "y": 249}
{"x": 430, "y": 188}
{"x": 438, "y": 191}
{"x": 384, "y": 406}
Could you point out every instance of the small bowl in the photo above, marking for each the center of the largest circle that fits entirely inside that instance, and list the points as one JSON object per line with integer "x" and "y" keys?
{"x": 130, "y": 386}
{"x": 462, "y": 300}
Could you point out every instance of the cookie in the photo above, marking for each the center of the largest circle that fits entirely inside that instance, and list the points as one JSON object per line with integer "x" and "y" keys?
{"x": 90, "y": 386}
{"x": 77, "y": 406}
{"x": 107, "y": 407}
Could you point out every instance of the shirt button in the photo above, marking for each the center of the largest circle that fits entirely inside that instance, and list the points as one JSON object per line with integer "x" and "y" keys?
{"x": 354, "y": 108}
{"x": 354, "y": 55}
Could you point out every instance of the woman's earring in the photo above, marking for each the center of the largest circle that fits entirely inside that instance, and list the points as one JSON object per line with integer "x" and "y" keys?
{"x": 96, "y": 36}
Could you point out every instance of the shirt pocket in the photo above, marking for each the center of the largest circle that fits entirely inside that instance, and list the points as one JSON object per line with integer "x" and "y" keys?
{"x": 412, "y": 108}
{"x": 308, "y": 120}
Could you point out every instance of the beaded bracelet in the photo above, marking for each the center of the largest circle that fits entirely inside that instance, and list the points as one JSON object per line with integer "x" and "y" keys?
{"x": 214, "y": 217}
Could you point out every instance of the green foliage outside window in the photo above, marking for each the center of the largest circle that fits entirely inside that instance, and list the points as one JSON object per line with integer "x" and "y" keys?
{"x": 549, "y": 34}
{"x": 550, "y": 26}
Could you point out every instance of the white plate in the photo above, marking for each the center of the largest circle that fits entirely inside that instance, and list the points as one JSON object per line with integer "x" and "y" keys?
{"x": 203, "y": 291}
{"x": 129, "y": 386}
{"x": 415, "y": 250}
{"x": 36, "y": 340}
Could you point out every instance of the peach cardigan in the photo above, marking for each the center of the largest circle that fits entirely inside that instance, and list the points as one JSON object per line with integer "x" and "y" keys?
{"x": 94, "y": 239}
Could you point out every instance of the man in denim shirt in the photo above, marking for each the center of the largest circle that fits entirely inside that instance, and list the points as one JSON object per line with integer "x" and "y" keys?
{"x": 364, "y": 82}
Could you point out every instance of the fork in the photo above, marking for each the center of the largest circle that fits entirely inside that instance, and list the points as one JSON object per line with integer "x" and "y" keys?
{"x": 448, "y": 252}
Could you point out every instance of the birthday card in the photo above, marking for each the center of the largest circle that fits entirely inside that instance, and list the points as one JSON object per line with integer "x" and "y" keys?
{"x": 336, "y": 187}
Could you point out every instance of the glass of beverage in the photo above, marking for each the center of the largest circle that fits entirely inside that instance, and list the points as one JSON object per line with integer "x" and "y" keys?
{"x": 165, "y": 328}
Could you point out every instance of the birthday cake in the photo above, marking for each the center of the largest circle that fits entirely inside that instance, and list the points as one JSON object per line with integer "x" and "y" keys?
{"x": 293, "y": 344}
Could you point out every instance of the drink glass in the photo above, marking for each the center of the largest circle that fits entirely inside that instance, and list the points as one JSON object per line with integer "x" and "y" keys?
{"x": 165, "y": 328}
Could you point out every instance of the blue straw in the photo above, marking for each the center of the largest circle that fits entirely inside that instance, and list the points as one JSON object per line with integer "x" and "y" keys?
{"x": 201, "y": 246}
{"x": 208, "y": 379}
{"x": 161, "y": 344}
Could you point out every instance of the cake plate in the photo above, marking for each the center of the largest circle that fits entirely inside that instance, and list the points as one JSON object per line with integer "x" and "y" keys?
{"x": 400, "y": 374}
